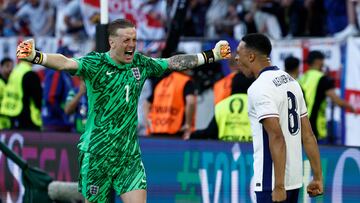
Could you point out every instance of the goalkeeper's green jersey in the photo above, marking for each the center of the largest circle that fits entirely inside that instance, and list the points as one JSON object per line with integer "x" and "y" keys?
{"x": 113, "y": 92}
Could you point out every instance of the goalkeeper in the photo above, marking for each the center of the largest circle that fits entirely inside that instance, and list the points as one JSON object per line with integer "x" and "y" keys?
{"x": 109, "y": 150}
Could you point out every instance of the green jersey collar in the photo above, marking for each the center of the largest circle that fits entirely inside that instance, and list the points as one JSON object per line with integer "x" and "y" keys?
{"x": 113, "y": 63}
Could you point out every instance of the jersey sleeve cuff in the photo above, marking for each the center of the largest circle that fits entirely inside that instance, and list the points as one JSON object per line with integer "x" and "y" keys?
{"x": 304, "y": 114}
{"x": 268, "y": 116}
{"x": 78, "y": 71}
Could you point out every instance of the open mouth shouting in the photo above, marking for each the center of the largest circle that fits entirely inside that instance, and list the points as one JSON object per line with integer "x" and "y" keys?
{"x": 128, "y": 55}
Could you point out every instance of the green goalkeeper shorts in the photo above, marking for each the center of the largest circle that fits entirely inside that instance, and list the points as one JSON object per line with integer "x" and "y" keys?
{"x": 100, "y": 174}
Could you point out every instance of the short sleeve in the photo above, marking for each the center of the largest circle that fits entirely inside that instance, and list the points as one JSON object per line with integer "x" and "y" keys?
{"x": 264, "y": 104}
{"x": 303, "y": 108}
{"x": 88, "y": 65}
{"x": 155, "y": 67}
{"x": 326, "y": 83}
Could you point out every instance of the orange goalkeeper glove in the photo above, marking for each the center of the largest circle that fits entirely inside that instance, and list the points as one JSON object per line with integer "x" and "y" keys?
{"x": 219, "y": 52}
{"x": 26, "y": 51}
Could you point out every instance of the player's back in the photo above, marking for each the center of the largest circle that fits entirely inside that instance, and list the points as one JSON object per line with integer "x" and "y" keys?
{"x": 276, "y": 94}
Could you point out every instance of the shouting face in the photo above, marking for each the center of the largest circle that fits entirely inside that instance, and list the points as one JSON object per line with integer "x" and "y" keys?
{"x": 244, "y": 57}
{"x": 123, "y": 44}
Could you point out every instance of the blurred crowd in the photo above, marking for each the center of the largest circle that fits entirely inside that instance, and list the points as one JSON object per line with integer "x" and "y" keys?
{"x": 55, "y": 101}
{"x": 169, "y": 106}
{"x": 204, "y": 18}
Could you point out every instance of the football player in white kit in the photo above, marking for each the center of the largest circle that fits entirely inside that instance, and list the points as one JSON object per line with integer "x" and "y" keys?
{"x": 279, "y": 124}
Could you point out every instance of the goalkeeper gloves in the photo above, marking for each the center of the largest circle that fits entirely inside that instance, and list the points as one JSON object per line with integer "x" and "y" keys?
{"x": 219, "y": 52}
{"x": 26, "y": 51}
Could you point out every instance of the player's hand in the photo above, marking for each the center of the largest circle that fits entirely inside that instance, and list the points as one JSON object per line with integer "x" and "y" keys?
{"x": 187, "y": 132}
{"x": 278, "y": 194}
{"x": 315, "y": 188}
{"x": 222, "y": 50}
{"x": 26, "y": 50}
{"x": 186, "y": 135}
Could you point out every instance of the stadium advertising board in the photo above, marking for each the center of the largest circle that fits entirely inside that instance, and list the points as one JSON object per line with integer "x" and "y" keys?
{"x": 179, "y": 171}
{"x": 55, "y": 153}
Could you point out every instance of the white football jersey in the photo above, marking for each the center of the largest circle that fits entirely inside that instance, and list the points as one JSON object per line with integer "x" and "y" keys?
{"x": 276, "y": 94}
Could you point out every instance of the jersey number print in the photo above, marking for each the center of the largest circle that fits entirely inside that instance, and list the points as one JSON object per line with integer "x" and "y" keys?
{"x": 127, "y": 89}
{"x": 293, "y": 116}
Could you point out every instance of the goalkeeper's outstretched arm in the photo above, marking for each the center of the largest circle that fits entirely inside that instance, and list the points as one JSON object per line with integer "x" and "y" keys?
{"x": 26, "y": 51}
{"x": 189, "y": 61}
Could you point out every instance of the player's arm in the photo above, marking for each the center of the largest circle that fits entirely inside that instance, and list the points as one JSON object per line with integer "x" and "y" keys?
{"x": 26, "y": 51}
{"x": 278, "y": 154}
{"x": 72, "y": 103}
{"x": 312, "y": 152}
{"x": 189, "y": 61}
{"x": 189, "y": 115}
{"x": 338, "y": 101}
{"x": 189, "y": 109}
{"x": 146, "y": 108}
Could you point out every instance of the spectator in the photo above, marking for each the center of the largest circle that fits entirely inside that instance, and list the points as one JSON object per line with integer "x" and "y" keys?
{"x": 353, "y": 12}
{"x": 39, "y": 14}
{"x": 6, "y": 67}
{"x": 60, "y": 8}
{"x": 151, "y": 20}
{"x": 231, "y": 122}
{"x": 316, "y": 19}
{"x": 76, "y": 103}
{"x": 292, "y": 64}
{"x": 231, "y": 25}
{"x": 5, "y": 26}
{"x": 317, "y": 86}
{"x": 22, "y": 98}
{"x": 9, "y": 8}
{"x": 336, "y": 17}
{"x": 73, "y": 19}
{"x": 217, "y": 11}
{"x": 296, "y": 14}
{"x": 195, "y": 18}
{"x": 172, "y": 106}
{"x": 57, "y": 84}
{"x": 265, "y": 20}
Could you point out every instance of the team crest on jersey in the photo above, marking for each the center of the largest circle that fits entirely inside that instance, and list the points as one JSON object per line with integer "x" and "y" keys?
{"x": 94, "y": 189}
{"x": 136, "y": 73}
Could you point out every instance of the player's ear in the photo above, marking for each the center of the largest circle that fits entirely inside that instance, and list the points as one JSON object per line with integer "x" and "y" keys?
{"x": 251, "y": 57}
{"x": 111, "y": 42}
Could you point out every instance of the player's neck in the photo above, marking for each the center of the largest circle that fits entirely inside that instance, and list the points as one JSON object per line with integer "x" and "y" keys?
{"x": 315, "y": 68}
{"x": 260, "y": 66}
{"x": 114, "y": 58}
{"x": 293, "y": 75}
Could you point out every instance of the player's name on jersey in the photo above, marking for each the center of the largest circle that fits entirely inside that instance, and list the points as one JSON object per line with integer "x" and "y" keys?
{"x": 278, "y": 81}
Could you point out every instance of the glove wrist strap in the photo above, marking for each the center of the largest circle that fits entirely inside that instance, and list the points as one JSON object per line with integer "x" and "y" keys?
{"x": 209, "y": 56}
{"x": 39, "y": 58}
{"x": 206, "y": 57}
